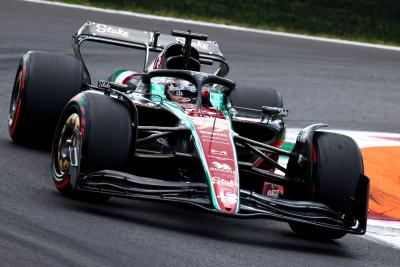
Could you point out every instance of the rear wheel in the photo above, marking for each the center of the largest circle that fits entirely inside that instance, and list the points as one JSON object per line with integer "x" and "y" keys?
{"x": 100, "y": 129}
{"x": 337, "y": 168}
{"x": 256, "y": 98}
{"x": 43, "y": 85}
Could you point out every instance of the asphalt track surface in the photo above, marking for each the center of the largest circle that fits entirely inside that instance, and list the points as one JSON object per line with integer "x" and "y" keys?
{"x": 347, "y": 86}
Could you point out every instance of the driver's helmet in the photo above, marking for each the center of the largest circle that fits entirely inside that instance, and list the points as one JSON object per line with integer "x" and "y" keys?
{"x": 180, "y": 90}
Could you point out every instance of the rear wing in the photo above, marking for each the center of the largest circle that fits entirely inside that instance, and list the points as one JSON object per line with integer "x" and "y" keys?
{"x": 149, "y": 41}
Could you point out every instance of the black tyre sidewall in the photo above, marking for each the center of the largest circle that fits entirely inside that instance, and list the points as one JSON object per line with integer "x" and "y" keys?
{"x": 16, "y": 128}
{"x": 50, "y": 81}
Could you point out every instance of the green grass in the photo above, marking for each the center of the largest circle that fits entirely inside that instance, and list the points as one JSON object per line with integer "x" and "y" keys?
{"x": 358, "y": 20}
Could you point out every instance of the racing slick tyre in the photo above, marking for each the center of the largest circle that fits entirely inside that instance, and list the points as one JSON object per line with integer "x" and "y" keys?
{"x": 99, "y": 129}
{"x": 43, "y": 85}
{"x": 256, "y": 98}
{"x": 337, "y": 167}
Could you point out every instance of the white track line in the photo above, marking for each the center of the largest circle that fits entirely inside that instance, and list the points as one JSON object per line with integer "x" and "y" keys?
{"x": 387, "y": 232}
{"x": 215, "y": 25}
{"x": 363, "y": 139}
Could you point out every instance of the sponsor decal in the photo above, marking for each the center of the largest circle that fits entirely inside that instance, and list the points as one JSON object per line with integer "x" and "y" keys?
{"x": 214, "y": 137}
{"x": 227, "y": 197}
{"x": 219, "y": 152}
{"x": 195, "y": 43}
{"x": 217, "y": 128}
{"x": 214, "y": 134}
{"x": 273, "y": 193}
{"x": 101, "y": 28}
{"x": 211, "y": 140}
{"x": 221, "y": 167}
{"x": 272, "y": 190}
{"x": 103, "y": 84}
{"x": 220, "y": 158}
{"x": 219, "y": 180}
{"x": 163, "y": 142}
{"x": 195, "y": 73}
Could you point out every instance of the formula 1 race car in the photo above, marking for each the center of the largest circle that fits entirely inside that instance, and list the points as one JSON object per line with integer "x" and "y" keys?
{"x": 171, "y": 133}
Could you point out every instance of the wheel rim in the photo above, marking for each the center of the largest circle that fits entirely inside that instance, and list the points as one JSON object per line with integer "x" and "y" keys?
{"x": 68, "y": 140}
{"x": 15, "y": 99}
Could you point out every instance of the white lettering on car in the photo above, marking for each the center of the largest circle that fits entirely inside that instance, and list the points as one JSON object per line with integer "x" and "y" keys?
{"x": 222, "y": 166}
{"x": 219, "y": 152}
{"x": 101, "y": 28}
{"x": 227, "y": 196}
{"x": 218, "y": 180}
{"x": 195, "y": 43}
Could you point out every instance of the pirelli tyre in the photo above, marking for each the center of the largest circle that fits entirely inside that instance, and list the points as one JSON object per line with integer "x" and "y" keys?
{"x": 337, "y": 169}
{"x": 256, "y": 98}
{"x": 99, "y": 128}
{"x": 43, "y": 85}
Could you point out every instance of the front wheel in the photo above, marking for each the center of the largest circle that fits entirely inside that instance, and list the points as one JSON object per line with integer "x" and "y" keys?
{"x": 94, "y": 133}
{"x": 338, "y": 167}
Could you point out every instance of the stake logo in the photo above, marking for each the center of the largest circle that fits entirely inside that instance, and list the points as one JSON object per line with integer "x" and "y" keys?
{"x": 218, "y": 180}
{"x": 195, "y": 43}
{"x": 101, "y": 28}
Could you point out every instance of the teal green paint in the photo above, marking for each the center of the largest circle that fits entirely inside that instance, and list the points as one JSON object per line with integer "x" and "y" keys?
{"x": 158, "y": 90}
{"x": 288, "y": 146}
{"x": 217, "y": 99}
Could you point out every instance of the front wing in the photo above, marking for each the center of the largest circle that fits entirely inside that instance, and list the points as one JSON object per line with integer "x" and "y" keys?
{"x": 253, "y": 205}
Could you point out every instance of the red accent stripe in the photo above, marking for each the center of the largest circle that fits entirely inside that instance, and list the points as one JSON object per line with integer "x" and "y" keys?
{"x": 21, "y": 89}
{"x": 278, "y": 143}
{"x": 314, "y": 155}
{"x": 314, "y": 186}
{"x": 63, "y": 184}
{"x": 14, "y": 123}
{"x": 126, "y": 80}
{"x": 83, "y": 122}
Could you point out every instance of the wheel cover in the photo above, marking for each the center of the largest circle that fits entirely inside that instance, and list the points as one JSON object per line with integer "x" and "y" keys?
{"x": 67, "y": 141}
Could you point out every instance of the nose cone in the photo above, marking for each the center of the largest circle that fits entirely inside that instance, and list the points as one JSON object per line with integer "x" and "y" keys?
{"x": 220, "y": 163}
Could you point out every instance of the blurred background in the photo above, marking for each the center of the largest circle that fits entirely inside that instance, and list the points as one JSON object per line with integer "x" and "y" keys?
{"x": 362, "y": 20}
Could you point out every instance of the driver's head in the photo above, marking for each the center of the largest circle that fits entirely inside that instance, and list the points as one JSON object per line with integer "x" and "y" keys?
{"x": 175, "y": 59}
{"x": 180, "y": 90}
